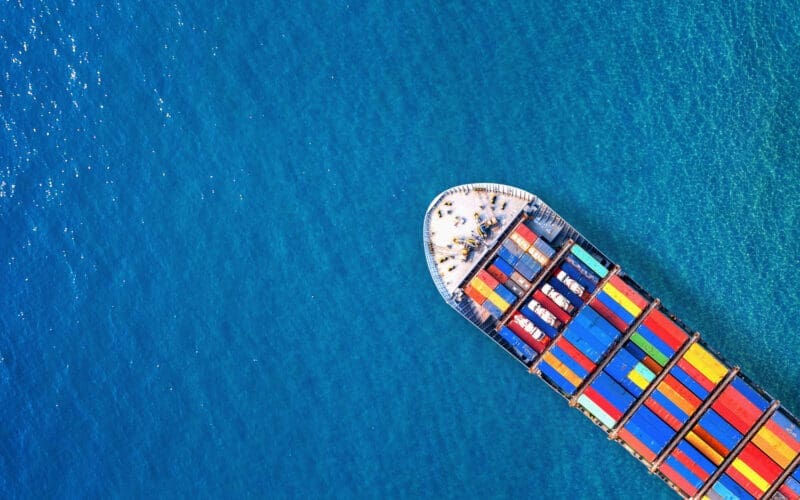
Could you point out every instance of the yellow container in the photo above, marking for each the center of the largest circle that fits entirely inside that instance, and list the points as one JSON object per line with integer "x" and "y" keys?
{"x": 774, "y": 446}
{"x": 638, "y": 379}
{"x": 520, "y": 241}
{"x": 706, "y": 363}
{"x": 704, "y": 448}
{"x": 761, "y": 483}
{"x": 622, "y": 300}
{"x": 498, "y": 301}
{"x": 538, "y": 256}
{"x": 481, "y": 287}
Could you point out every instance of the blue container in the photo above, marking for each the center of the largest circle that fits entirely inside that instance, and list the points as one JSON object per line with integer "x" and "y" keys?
{"x": 504, "y": 266}
{"x": 612, "y": 392}
{"x": 513, "y": 248}
{"x": 584, "y": 269}
{"x": 520, "y": 348}
{"x": 684, "y": 472}
{"x": 505, "y": 294}
{"x": 794, "y": 482}
{"x": 565, "y": 358}
{"x": 733, "y": 487}
{"x": 507, "y": 256}
{"x": 698, "y": 458}
{"x": 561, "y": 288}
{"x": 576, "y": 274}
{"x": 556, "y": 378}
{"x": 649, "y": 429}
{"x": 493, "y": 309}
{"x": 615, "y": 308}
{"x": 671, "y": 407}
{"x": 750, "y": 393}
{"x": 581, "y": 338}
{"x": 635, "y": 350}
{"x": 525, "y": 270}
{"x": 718, "y": 427}
{"x": 689, "y": 382}
{"x": 544, "y": 248}
{"x": 655, "y": 340}
{"x": 538, "y": 321}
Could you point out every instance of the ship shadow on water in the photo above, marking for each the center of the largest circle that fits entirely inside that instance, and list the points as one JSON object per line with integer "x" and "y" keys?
{"x": 714, "y": 321}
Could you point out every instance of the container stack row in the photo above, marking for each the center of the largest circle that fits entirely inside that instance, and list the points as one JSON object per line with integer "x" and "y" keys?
{"x": 576, "y": 353}
{"x": 486, "y": 291}
{"x": 524, "y": 254}
{"x": 619, "y": 303}
{"x": 718, "y": 431}
{"x": 762, "y": 460}
{"x": 552, "y": 305}
{"x": 676, "y": 398}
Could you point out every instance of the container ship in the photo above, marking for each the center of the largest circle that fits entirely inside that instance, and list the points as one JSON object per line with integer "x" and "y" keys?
{"x": 540, "y": 290}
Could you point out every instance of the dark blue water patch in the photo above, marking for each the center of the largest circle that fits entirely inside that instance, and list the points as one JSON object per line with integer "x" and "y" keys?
{"x": 212, "y": 262}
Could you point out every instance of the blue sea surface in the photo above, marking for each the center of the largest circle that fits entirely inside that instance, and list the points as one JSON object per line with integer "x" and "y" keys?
{"x": 213, "y": 280}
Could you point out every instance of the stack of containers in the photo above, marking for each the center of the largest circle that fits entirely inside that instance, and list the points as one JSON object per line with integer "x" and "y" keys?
{"x": 699, "y": 371}
{"x": 520, "y": 251}
{"x": 791, "y": 487}
{"x": 565, "y": 365}
{"x": 519, "y": 348}
{"x": 502, "y": 272}
{"x": 779, "y": 438}
{"x": 619, "y": 303}
{"x": 512, "y": 274}
{"x": 522, "y": 327}
{"x": 551, "y": 330}
{"x": 485, "y": 290}
{"x": 741, "y": 406}
{"x": 583, "y": 344}
{"x": 672, "y": 402}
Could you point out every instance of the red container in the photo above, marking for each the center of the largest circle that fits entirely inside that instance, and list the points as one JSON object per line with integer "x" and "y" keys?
{"x": 526, "y": 233}
{"x": 745, "y": 483}
{"x": 602, "y": 403}
{"x": 696, "y": 375}
{"x": 607, "y": 314}
{"x": 497, "y": 274}
{"x": 576, "y": 355}
{"x": 652, "y": 365}
{"x": 669, "y": 332}
{"x": 629, "y": 292}
{"x": 637, "y": 445}
{"x": 537, "y": 345}
{"x": 662, "y": 413}
{"x": 677, "y": 479}
{"x": 684, "y": 459}
{"x": 551, "y": 306}
{"x": 788, "y": 493}
{"x": 760, "y": 462}
{"x": 488, "y": 279}
{"x": 736, "y": 409}
{"x": 474, "y": 294}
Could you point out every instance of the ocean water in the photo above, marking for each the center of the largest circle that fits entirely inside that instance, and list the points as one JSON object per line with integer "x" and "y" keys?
{"x": 213, "y": 281}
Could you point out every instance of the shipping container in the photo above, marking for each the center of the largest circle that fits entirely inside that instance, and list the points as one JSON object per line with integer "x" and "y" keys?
{"x": 558, "y": 373}
{"x": 521, "y": 242}
{"x": 589, "y": 261}
{"x": 505, "y": 294}
{"x": 520, "y": 348}
{"x": 583, "y": 276}
{"x": 515, "y": 289}
{"x": 753, "y": 470}
{"x": 740, "y": 405}
{"x": 791, "y": 488}
{"x": 521, "y": 281}
{"x": 706, "y": 364}
{"x": 779, "y": 438}
{"x": 487, "y": 278}
{"x": 647, "y": 428}
{"x": 538, "y": 256}
{"x": 544, "y": 248}
{"x": 497, "y": 274}
{"x": 527, "y": 271}
{"x": 670, "y": 333}
{"x": 507, "y": 256}
{"x": 504, "y": 266}
{"x": 728, "y": 489}
{"x": 562, "y": 315}
{"x": 498, "y": 301}
{"x": 537, "y": 320}
{"x": 492, "y": 309}
{"x": 526, "y": 233}
{"x": 481, "y": 286}
{"x": 474, "y": 294}
{"x": 561, "y": 288}
{"x": 513, "y": 248}
{"x": 528, "y": 332}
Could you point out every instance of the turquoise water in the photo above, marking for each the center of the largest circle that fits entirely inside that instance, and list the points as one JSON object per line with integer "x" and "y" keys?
{"x": 212, "y": 266}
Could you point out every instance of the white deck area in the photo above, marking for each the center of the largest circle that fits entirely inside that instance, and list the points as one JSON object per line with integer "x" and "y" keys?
{"x": 451, "y": 227}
